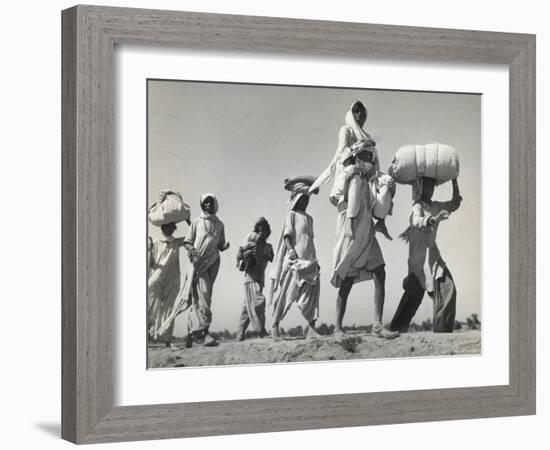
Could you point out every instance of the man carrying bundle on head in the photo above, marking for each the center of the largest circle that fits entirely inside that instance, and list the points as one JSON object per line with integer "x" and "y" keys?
{"x": 424, "y": 167}
{"x": 295, "y": 275}
{"x": 252, "y": 259}
{"x": 164, "y": 266}
{"x": 427, "y": 270}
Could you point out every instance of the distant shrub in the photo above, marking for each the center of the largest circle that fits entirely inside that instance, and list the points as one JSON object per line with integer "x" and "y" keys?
{"x": 296, "y": 331}
{"x": 473, "y": 322}
{"x": 457, "y": 325}
{"x": 325, "y": 330}
{"x": 427, "y": 325}
{"x": 226, "y": 334}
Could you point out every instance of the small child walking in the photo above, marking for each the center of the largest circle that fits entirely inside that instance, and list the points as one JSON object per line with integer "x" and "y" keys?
{"x": 252, "y": 259}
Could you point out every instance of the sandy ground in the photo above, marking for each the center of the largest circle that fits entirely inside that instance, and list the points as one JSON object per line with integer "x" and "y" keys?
{"x": 356, "y": 346}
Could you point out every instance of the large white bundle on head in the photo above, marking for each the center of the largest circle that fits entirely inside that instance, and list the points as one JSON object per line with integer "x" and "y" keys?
{"x": 435, "y": 160}
{"x": 171, "y": 209}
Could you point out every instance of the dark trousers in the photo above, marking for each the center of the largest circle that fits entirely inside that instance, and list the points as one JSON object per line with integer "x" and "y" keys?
{"x": 444, "y": 303}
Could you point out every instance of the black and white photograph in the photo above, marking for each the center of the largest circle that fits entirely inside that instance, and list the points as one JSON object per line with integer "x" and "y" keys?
{"x": 305, "y": 223}
{"x": 274, "y": 225}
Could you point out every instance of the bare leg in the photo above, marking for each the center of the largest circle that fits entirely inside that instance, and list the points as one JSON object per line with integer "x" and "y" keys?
{"x": 378, "y": 330}
{"x": 275, "y": 319}
{"x": 379, "y": 276}
{"x": 341, "y": 302}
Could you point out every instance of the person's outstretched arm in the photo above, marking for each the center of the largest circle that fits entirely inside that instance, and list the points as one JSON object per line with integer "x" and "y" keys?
{"x": 328, "y": 173}
{"x": 423, "y": 220}
{"x": 453, "y": 204}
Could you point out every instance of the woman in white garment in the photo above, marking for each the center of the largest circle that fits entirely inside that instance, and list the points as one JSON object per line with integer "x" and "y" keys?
{"x": 163, "y": 284}
{"x": 295, "y": 274}
{"x": 163, "y": 281}
{"x": 350, "y": 133}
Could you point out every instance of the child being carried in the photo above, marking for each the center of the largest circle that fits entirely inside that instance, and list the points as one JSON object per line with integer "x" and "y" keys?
{"x": 366, "y": 166}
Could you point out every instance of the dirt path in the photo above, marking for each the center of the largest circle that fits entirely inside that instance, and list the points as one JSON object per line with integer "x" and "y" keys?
{"x": 358, "y": 346}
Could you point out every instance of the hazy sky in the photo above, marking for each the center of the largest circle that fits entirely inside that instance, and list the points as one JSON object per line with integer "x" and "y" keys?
{"x": 240, "y": 141}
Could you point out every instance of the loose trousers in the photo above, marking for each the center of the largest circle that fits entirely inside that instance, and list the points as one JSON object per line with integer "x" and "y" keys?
{"x": 444, "y": 304}
{"x": 253, "y": 310}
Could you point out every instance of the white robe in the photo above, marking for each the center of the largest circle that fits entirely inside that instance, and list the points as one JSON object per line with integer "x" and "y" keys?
{"x": 357, "y": 257}
{"x": 163, "y": 287}
{"x": 349, "y": 134}
{"x": 296, "y": 281}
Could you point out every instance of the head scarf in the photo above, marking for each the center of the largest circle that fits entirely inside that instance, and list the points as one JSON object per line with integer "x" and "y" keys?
{"x": 298, "y": 187}
{"x": 203, "y": 198}
{"x": 368, "y": 169}
{"x": 360, "y": 134}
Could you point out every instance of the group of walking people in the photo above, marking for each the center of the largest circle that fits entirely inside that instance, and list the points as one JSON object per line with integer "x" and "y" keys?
{"x": 362, "y": 196}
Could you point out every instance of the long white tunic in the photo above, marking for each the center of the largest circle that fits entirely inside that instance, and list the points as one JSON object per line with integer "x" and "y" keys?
{"x": 163, "y": 287}
{"x": 425, "y": 260}
{"x": 350, "y": 133}
{"x": 207, "y": 235}
{"x": 296, "y": 281}
{"x": 359, "y": 255}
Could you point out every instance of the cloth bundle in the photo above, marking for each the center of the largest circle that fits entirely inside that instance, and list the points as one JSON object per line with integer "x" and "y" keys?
{"x": 435, "y": 160}
{"x": 171, "y": 209}
{"x": 246, "y": 252}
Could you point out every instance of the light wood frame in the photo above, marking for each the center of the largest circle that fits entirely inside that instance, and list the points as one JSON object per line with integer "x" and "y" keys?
{"x": 89, "y": 37}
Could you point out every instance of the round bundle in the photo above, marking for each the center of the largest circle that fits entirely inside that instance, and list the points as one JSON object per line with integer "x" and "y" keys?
{"x": 170, "y": 209}
{"x": 435, "y": 160}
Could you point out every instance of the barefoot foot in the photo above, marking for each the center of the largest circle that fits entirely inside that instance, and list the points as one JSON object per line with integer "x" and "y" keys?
{"x": 339, "y": 335}
{"x": 312, "y": 333}
{"x": 380, "y": 227}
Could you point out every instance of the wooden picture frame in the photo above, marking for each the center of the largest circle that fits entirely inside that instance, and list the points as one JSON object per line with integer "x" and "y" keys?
{"x": 90, "y": 34}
